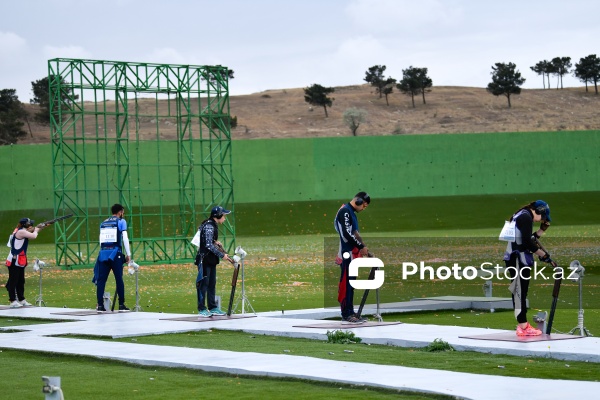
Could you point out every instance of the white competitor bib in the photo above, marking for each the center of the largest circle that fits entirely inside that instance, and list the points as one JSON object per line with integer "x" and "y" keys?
{"x": 508, "y": 231}
{"x": 196, "y": 239}
{"x": 108, "y": 235}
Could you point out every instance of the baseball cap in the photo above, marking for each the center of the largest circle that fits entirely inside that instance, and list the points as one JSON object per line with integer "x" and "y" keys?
{"x": 217, "y": 211}
{"x": 26, "y": 221}
{"x": 542, "y": 208}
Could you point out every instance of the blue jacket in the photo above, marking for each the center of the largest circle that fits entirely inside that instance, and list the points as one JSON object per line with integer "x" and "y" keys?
{"x": 346, "y": 223}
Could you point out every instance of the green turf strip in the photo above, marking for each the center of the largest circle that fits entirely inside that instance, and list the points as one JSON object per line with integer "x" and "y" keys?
{"x": 460, "y": 361}
{"x": 96, "y": 379}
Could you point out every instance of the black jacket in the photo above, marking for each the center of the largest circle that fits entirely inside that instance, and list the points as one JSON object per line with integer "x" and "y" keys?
{"x": 208, "y": 253}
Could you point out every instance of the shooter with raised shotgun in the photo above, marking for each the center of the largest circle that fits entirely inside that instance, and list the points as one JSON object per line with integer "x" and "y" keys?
{"x": 17, "y": 260}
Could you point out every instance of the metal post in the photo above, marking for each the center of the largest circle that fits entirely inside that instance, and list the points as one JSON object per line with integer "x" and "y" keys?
{"x": 243, "y": 298}
{"x": 137, "y": 293}
{"x": 378, "y": 314}
{"x": 579, "y": 270}
{"x": 243, "y": 289}
{"x": 38, "y": 300}
{"x": 52, "y": 388}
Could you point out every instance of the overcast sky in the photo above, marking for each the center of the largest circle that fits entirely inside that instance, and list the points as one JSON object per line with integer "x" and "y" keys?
{"x": 277, "y": 44}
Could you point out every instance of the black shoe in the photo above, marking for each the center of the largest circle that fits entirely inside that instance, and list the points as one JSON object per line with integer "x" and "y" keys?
{"x": 100, "y": 309}
{"x": 352, "y": 320}
{"x": 123, "y": 307}
{"x": 363, "y": 319}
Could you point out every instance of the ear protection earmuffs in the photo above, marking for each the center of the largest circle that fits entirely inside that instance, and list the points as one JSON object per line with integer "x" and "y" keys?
{"x": 360, "y": 200}
{"x": 541, "y": 210}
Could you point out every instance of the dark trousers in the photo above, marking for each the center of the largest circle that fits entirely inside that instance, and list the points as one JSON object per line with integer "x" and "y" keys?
{"x": 522, "y": 273}
{"x": 16, "y": 283}
{"x": 104, "y": 268}
{"x": 346, "y": 291}
{"x": 206, "y": 288}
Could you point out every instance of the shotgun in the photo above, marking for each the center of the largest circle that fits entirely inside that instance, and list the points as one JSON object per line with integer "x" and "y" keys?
{"x": 50, "y": 222}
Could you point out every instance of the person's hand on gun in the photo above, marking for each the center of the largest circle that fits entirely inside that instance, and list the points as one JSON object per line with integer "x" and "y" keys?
{"x": 364, "y": 252}
{"x": 219, "y": 246}
{"x": 546, "y": 258}
{"x": 226, "y": 257}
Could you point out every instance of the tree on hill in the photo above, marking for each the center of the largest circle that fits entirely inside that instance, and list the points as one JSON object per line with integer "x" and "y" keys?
{"x": 316, "y": 95}
{"x": 544, "y": 68}
{"x": 213, "y": 76}
{"x": 562, "y": 66}
{"x": 506, "y": 80}
{"x": 414, "y": 82}
{"x": 41, "y": 96}
{"x": 388, "y": 88}
{"x": 353, "y": 117}
{"x": 409, "y": 84}
{"x": 425, "y": 80}
{"x": 12, "y": 114}
{"x": 374, "y": 76}
{"x": 588, "y": 70}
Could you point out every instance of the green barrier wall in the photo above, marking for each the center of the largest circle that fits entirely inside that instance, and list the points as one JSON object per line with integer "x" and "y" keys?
{"x": 26, "y": 177}
{"x": 416, "y": 165}
{"x": 316, "y": 169}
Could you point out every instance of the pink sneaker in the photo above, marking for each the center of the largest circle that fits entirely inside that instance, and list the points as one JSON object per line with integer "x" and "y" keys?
{"x": 528, "y": 331}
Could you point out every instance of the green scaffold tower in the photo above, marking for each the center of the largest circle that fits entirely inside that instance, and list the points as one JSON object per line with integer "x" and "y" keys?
{"x": 155, "y": 138}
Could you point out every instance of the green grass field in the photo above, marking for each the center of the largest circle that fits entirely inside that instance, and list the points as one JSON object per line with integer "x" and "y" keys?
{"x": 96, "y": 379}
{"x": 286, "y": 272}
{"x": 409, "y": 215}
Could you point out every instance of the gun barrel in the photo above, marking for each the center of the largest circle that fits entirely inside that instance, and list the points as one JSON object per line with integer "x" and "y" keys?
{"x": 50, "y": 222}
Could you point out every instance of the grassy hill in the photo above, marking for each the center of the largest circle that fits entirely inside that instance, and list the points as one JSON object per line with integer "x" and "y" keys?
{"x": 284, "y": 113}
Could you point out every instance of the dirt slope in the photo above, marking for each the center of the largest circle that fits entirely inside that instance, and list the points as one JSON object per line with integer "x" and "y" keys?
{"x": 284, "y": 113}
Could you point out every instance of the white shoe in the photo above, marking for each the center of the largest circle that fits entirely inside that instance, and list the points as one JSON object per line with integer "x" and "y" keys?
{"x": 15, "y": 304}
{"x": 25, "y": 303}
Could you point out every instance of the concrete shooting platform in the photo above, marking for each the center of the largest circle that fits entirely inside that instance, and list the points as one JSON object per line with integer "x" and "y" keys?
{"x": 42, "y": 338}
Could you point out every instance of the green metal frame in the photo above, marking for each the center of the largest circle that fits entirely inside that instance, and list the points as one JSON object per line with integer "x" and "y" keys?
{"x": 153, "y": 137}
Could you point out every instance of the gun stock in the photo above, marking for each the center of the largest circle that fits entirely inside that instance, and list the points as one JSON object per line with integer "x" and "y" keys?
{"x": 555, "y": 292}
{"x": 234, "y": 279}
{"x": 366, "y": 293}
